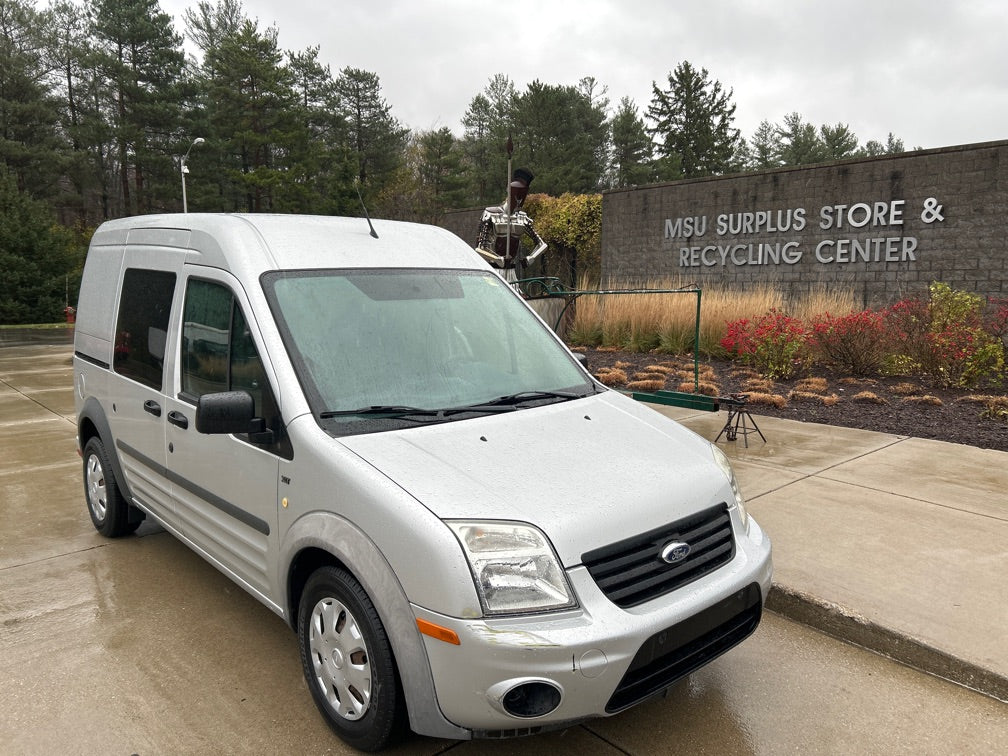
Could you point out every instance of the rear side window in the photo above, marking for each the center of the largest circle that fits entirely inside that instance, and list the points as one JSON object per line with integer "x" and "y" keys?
{"x": 142, "y": 325}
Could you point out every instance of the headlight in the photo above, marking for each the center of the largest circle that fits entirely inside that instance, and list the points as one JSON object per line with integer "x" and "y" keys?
{"x": 725, "y": 465}
{"x": 514, "y": 567}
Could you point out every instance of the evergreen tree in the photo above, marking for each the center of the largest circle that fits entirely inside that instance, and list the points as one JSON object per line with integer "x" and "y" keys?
{"x": 30, "y": 145}
{"x": 440, "y": 172}
{"x": 377, "y": 139}
{"x": 765, "y": 147}
{"x": 37, "y": 258}
{"x": 141, "y": 58}
{"x": 839, "y": 142}
{"x": 693, "y": 124}
{"x": 800, "y": 142}
{"x": 253, "y": 112}
{"x": 429, "y": 182}
{"x": 488, "y": 122}
{"x": 561, "y": 136}
{"x": 320, "y": 158}
{"x": 632, "y": 147}
{"x": 893, "y": 146}
{"x": 69, "y": 44}
{"x": 208, "y": 25}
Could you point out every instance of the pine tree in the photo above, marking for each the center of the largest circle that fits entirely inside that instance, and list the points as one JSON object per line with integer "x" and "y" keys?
{"x": 377, "y": 139}
{"x": 632, "y": 147}
{"x": 140, "y": 56}
{"x": 800, "y": 142}
{"x": 693, "y": 123}
{"x": 253, "y": 112}
{"x": 839, "y": 142}
{"x": 30, "y": 145}
{"x": 37, "y": 258}
{"x": 561, "y": 136}
{"x": 765, "y": 147}
{"x": 488, "y": 122}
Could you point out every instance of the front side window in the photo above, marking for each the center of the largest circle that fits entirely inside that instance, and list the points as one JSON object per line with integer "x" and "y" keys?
{"x": 218, "y": 353}
{"x": 430, "y": 340}
{"x": 142, "y": 325}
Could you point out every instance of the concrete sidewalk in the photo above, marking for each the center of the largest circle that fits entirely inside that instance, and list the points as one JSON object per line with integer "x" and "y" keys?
{"x": 896, "y": 544}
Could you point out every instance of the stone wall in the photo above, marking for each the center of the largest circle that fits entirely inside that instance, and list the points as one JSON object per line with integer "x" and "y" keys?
{"x": 463, "y": 223}
{"x": 884, "y": 227}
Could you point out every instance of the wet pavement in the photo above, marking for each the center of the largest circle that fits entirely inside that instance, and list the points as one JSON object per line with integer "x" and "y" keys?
{"x": 137, "y": 645}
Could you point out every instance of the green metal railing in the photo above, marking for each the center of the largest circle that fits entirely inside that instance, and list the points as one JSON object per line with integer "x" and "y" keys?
{"x": 554, "y": 288}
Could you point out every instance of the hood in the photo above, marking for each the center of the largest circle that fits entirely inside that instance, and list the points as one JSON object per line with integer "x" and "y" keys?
{"x": 588, "y": 472}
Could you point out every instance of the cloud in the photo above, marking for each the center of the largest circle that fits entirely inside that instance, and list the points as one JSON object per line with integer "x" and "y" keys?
{"x": 932, "y": 73}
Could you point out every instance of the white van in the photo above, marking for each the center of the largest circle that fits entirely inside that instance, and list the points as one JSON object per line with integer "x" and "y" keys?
{"x": 379, "y": 440}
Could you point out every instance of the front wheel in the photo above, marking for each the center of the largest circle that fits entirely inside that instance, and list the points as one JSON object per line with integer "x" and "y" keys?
{"x": 348, "y": 662}
{"x": 110, "y": 513}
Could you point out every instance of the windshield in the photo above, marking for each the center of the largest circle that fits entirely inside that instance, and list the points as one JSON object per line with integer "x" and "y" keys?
{"x": 382, "y": 349}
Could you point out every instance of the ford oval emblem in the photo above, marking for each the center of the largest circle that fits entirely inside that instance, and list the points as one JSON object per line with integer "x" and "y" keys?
{"x": 675, "y": 552}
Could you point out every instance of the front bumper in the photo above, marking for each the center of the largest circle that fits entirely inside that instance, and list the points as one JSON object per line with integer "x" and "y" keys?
{"x": 601, "y": 658}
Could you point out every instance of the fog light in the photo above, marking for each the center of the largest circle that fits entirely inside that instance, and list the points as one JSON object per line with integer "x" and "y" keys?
{"x": 531, "y": 699}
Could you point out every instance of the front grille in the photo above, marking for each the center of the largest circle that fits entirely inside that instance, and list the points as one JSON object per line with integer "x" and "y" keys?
{"x": 674, "y": 653}
{"x": 632, "y": 571}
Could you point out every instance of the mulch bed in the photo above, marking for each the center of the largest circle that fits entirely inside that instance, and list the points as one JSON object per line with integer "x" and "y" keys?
{"x": 905, "y": 406}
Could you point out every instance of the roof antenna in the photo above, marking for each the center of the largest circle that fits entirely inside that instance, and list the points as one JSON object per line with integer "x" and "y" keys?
{"x": 374, "y": 233}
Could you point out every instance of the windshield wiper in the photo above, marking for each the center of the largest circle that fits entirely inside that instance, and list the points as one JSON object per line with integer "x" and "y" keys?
{"x": 384, "y": 410}
{"x": 401, "y": 412}
{"x": 511, "y": 400}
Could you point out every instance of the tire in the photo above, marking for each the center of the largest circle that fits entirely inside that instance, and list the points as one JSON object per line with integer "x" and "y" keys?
{"x": 110, "y": 513}
{"x": 348, "y": 662}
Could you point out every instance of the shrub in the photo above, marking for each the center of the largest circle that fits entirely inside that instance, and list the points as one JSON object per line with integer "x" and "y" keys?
{"x": 960, "y": 352}
{"x": 945, "y": 337}
{"x": 963, "y": 356}
{"x": 907, "y": 324}
{"x": 996, "y": 408}
{"x": 774, "y": 343}
{"x": 853, "y": 343}
{"x": 997, "y": 319}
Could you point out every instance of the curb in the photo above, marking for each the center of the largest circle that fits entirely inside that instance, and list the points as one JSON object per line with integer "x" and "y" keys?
{"x": 843, "y": 624}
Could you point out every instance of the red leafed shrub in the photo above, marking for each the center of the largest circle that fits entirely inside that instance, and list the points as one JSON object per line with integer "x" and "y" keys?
{"x": 853, "y": 343}
{"x": 774, "y": 343}
{"x": 907, "y": 324}
{"x": 997, "y": 319}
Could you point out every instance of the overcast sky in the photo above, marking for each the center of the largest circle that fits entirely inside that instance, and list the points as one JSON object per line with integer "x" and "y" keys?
{"x": 933, "y": 73}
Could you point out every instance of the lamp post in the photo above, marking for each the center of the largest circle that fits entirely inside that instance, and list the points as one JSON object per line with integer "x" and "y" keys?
{"x": 184, "y": 168}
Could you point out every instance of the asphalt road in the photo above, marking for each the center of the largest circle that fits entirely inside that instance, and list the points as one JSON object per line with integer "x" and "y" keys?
{"x": 138, "y": 646}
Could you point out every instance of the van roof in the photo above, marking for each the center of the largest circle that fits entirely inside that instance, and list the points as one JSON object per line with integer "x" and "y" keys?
{"x": 258, "y": 242}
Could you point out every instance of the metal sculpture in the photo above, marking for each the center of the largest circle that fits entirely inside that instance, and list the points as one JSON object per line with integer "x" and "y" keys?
{"x": 502, "y": 229}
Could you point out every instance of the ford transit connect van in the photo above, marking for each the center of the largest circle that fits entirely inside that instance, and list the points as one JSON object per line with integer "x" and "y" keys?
{"x": 379, "y": 440}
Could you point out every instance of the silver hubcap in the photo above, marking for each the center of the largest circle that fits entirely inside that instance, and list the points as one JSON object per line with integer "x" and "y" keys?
{"x": 340, "y": 659}
{"x": 96, "y": 487}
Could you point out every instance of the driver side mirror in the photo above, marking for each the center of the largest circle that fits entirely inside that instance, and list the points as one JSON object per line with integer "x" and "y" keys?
{"x": 231, "y": 412}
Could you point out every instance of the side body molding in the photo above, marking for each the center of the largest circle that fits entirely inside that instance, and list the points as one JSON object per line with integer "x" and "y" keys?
{"x": 350, "y": 546}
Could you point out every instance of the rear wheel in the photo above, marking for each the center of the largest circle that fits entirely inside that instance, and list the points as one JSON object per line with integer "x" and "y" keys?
{"x": 109, "y": 511}
{"x": 348, "y": 662}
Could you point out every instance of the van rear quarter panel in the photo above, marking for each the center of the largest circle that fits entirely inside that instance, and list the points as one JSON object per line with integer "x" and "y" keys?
{"x": 96, "y": 304}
